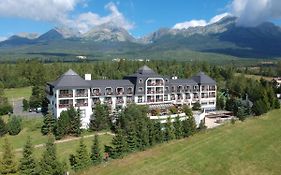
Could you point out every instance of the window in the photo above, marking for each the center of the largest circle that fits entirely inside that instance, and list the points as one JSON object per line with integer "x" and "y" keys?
{"x": 140, "y": 80}
{"x": 140, "y": 89}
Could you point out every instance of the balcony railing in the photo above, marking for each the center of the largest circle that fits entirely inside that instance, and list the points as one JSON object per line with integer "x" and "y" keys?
{"x": 120, "y": 101}
{"x": 65, "y": 105}
{"x": 108, "y": 101}
{"x": 109, "y": 93}
{"x": 155, "y": 84}
{"x": 212, "y": 89}
{"x": 120, "y": 93}
{"x": 81, "y": 104}
{"x": 81, "y": 95}
{"x": 96, "y": 94}
{"x": 65, "y": 95}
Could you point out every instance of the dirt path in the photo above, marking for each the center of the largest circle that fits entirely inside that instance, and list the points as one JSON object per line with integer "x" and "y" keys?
{"x": 68, "y": 140}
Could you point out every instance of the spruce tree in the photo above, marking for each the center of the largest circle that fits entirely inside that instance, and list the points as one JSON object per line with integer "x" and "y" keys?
{"x": 159, "y": 132}
{"x": 185, "y": 127}
{"x": 8, "y": 164}
{"x": 81, "y": 159}
{"x": 100, "y": 118}
{"x": 3, "y": 127}
{"x": 169, "y": 130}
{"x": 178, "y": 128}
{"x": 119, "y": 143}
{"x": 49, "y": 164}
{"x": 96, "y": 155}
{"x": 192, "y": 125}
{"x": 49, "y": 123}
{"x": 152, "y": 133}
{"x": 62, "y": 127}
{"x": 132, "y": 138}
{"x": 74, "y": 121}
{"x": 28, "y": 164}
{"x": 142, "y": 135}
{"x": 14, "y": 125}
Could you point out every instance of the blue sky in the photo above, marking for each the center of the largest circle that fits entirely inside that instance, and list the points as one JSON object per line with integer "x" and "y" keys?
{"x": 140, "y": 17}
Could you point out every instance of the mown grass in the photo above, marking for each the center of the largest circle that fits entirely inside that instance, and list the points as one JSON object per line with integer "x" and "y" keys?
{"x": 255, "y": 77}
{"x": 32, "y": 126}
{"x": 252, "y": 147}
{"x": 18, "y": 93}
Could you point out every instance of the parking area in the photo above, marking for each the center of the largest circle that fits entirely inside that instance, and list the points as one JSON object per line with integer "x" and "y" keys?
{"x": 18, "y": 110}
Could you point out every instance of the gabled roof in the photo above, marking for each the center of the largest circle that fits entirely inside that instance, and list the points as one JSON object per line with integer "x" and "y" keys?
{"x": 202, "y": 78}
{"x": 182, "y": 81}
{"x": 70, "y": 79}
{"x": 145, "y": 70}
{"x": 110, "y": 83}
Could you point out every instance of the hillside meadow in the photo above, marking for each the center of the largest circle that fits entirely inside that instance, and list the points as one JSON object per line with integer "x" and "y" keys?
{"x": 251, "y": 147}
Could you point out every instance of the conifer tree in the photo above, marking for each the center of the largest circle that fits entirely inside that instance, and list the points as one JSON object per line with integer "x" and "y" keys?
{"x": 119, "y": 144}
{"x": 178, "y": 128}
{"x": 81, "y": 159}
{"x": 192, "y": 125}
{"x": 169, "y": 130}
{"x": 14, "y": 125}
{"x": 100, "y": 119}
{"x": 49, "y": 123}
{"x": 8, "y": 164}
{"x": 142, "y": 135}
{"x": 28, "y": 164}
{"x": 74, "y": 121}
{"x": 49, "y": 164}
{"x": 3, "y": 127}
{"x": 152, "y": 133}
{"x": 62, "y": 127}
{"x": 159, "y": 132}
{"x": 185, "y": 128}
{"x": 96, "y": 155}
{"x": 132, "y": 138}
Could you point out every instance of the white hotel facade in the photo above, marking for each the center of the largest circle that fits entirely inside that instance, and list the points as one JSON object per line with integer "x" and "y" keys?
{"x": 145, "y": 87}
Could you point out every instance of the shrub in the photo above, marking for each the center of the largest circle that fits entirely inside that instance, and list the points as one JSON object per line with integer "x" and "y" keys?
{"x": 14, "y": 125}
{"x": 3, "y": 127}
{"x": 25, "y": 105}
{"x": 196, "y": 106}
{"x": 173, "y": 110}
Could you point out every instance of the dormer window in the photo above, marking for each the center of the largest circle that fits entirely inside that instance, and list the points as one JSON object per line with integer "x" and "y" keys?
{"x": 140, "y": 89}
{"x": 140, "y": 80}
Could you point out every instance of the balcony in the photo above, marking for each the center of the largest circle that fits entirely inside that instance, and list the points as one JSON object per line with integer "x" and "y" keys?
{"x": 81, "y": 104}
{"x": 108, "y": 102}
{"x": 109, "y": 93}
{"x": 65, "y": 105}
{"x": 120, "y": 101}
{"x": 130, "y": 100}
{"x": 130, "y": 91}
{"x": 96, "y": 94}
{"x": 212, "y": 89}
{"x": 81, "y": 95}
{"x": 67, "y": 95}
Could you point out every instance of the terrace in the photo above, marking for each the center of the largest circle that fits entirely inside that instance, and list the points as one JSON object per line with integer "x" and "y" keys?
{"x": 65, "y": 93}
{"x": 65, "y": 103}
{"x": 96, "y": 92}
{"x": 81, "y": 102}
{"x": 108, "y": 91}
{"x": 81, "y": 93}
{"x": 119, "y": 91}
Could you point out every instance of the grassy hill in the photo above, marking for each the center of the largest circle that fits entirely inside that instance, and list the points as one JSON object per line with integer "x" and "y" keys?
{"x": 251, "y": 147}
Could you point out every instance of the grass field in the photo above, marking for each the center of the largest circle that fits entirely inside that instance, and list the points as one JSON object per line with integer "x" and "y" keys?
{"x": 32, "y": 126}
{"x": 252, "y": 147}
{"x": 18, "y": 93}
{"x": 256, "y": 77}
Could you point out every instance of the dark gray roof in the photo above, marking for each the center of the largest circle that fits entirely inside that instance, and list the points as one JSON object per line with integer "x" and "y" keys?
{"x": 145, "y": 70}
{"x": 202, "y": 78}
{"x": 110, "y": 83}
{"x": 182, "y": 81}
{"x": 70, "y": 79}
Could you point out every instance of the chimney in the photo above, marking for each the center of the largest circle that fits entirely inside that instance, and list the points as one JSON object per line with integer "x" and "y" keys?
{"x": 174, "y": 77}
{"x": 88, "y": 77}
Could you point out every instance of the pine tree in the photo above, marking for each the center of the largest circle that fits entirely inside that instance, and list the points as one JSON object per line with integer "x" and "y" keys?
{"x": 49, "y": 123}
{"x": 75, "y": 121}
{"x": 28, "y": 164}
{"x": 142, "y": 135}
{"x": 3, "y": 127}
{"x": 14, "y": 125}
{"x": 96, "y": 155}
{"x": 152, "y": 133}
{"x": 159, "y": 132}
{"x": 49, "y": 164}
{"x": 169, "y": 130}
{"x": 119, "y": 144}
{"x": 100, "y": 119}
{"x": 7, "y": 163}
{"x": 62, "y": 127}
{"x": 192, "y": 125}
{"x": 132, "y": 138}
{"x": 178, "y": 128}
{"x": 81, "y": 159}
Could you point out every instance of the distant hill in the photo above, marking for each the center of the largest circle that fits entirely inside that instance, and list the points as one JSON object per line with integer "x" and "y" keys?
{"x": 223, "y": 37}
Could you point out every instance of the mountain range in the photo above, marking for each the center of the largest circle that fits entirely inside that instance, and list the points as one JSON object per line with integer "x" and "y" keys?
{"x": 223, "y": 37}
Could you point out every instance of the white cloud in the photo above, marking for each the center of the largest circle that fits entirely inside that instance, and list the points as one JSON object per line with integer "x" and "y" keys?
{"x": 3, "y": 38}
{"x": 86, "y": 21}
{"x": 201, "y": 22}
{"x": 59, "y": 11}
{"x": 192, "y": 23}
{"x": 254, "y": 12}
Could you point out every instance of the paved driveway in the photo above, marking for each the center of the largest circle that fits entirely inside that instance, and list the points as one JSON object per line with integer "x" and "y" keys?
{"x": 18, "y": 110}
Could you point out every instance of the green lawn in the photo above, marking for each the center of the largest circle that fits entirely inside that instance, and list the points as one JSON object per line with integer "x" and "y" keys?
{"x": 32, "y": 126}
{"x": 252, "y": 147}
{"x": 18, "y": 93}
{"x": 255, "y": 77}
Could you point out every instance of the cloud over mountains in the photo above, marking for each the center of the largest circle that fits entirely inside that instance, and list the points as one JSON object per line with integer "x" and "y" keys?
{"x": 58, "y": 12}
